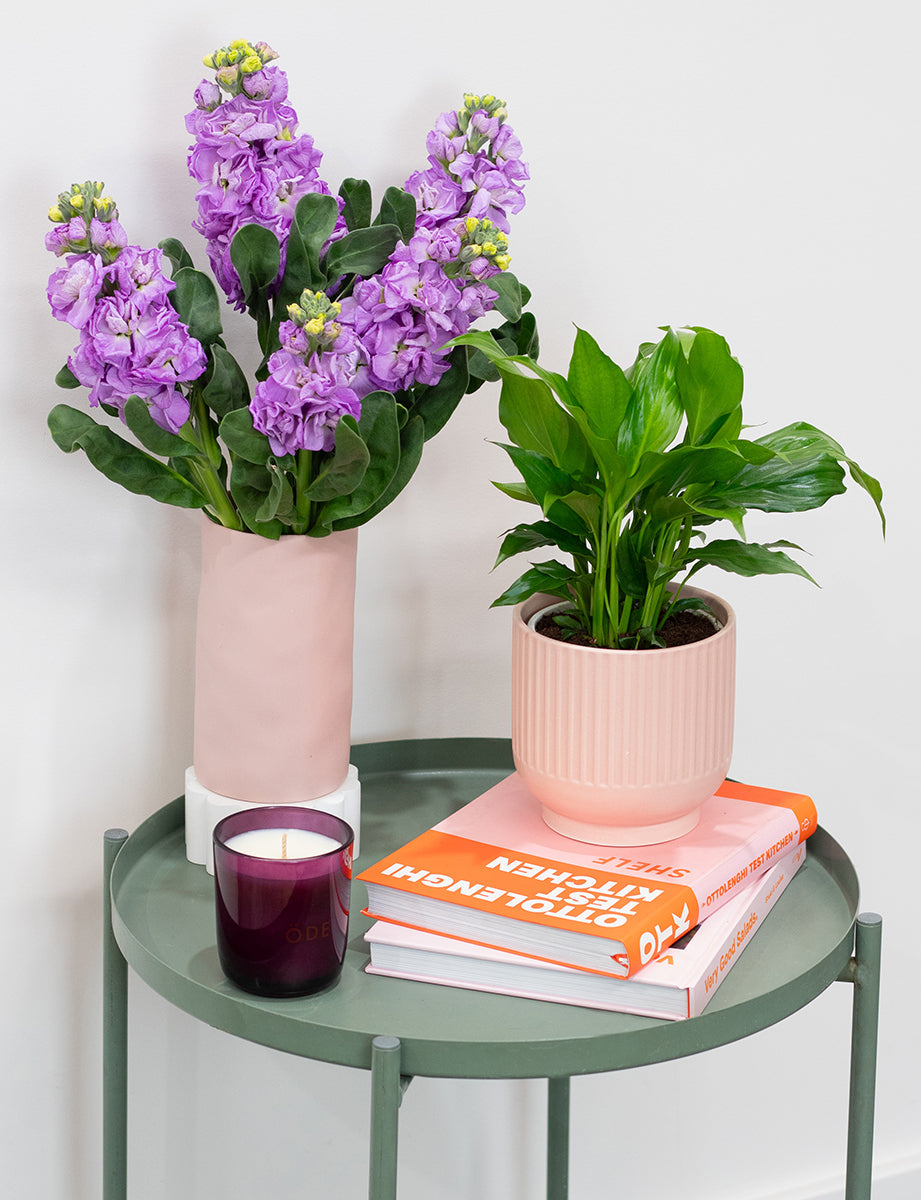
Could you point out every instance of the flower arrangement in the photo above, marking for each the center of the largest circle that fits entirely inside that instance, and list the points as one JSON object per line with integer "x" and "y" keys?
{"x": 630, "y": 468}
{"x": 354, "y": 313}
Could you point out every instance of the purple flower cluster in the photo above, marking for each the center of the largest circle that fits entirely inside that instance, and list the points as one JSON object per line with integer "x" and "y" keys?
{"x": 312, "y": 379}
{"x": 433, "y": 288}
{"x": 132, "y": 342}
{"x": 252, "y": 166}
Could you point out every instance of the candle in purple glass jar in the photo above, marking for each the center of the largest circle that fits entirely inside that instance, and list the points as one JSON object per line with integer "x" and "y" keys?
{"x": 282, "y": 881}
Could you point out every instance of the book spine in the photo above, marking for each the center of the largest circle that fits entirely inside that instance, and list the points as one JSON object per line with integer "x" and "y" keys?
{"x": 643, "y": 943}
{"x": 773, "y": 883}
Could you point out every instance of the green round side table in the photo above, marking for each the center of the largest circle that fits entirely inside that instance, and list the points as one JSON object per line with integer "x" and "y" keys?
{"x": 160, "y": 922}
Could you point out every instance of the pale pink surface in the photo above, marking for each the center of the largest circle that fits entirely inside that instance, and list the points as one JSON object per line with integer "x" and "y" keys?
{"x": 273, "y": 676}
{"x": 627, "y": 739}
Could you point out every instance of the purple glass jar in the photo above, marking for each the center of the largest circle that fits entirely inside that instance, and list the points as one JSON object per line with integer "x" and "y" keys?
{"x": 282, "y": 883}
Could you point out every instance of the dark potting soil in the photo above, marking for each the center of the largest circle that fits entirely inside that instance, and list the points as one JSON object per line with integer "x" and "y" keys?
{"x": 681, "y": 629}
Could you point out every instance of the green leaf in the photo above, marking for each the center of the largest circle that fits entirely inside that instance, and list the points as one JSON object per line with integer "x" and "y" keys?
{"x": 195, "y": 299}
{"x": 256, "y": 493}
{"x": 553, "y": 578}
{"x": 508, "y": 291}
{"x": 535, "y": 421}
{"x": 119, "y": 460}
{"x": 398, "y": 208}
{"x": 599, "y": 386}
{"x": 242, "y": 439}
{"x": 343, "y": 470}
{"x": 256, "y": 256}
{"x": 361, "y": 252}
{"x": 151, "y": 436}
{"x": 65, "y": 378}
{"x": 227, "y": 387}
{"x": 436, "y": 404}
{"x": 710, "y": 382}
{"x": 525, "y": 538}
{"x": 380, "y": 434}
{"x": 412, "y": 440}
{"x": 176, "y": 253}
{"x": 653, "y": 416}
{"x": 748, "y": 558}
{"x": 356, "y": 203}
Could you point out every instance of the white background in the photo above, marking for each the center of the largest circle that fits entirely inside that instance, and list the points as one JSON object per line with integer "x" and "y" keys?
{"x": 752, "y": 168}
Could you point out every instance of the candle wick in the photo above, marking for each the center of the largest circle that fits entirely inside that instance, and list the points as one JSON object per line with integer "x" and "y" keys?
{"x": 284, "y": 845}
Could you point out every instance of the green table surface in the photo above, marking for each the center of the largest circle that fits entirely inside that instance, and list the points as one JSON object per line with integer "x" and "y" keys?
{"x": 163, "y": 919}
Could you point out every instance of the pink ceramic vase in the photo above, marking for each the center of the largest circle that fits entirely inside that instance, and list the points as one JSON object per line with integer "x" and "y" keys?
{"x": 273, "y": 671}
{"x": 622, "y": 747}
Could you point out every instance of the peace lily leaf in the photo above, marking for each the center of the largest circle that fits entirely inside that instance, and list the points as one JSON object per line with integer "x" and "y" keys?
{"x": 541, "y": 476}
{"x": 749, "y": 558}
{"x": 796, "y": 482}
{"x": 653, "y": 415}
{"x": 710, "y": 382}
{"x": 119, "y": 460}
{"x": 356, "y": 203}
{"x": 552, "y": 578}
{"x": 151, "y": 436}
{"x": 535, "y": 421}
{"x": 599, "y": 386}
{"x": 227, "y": 387}
{"x": 525, "y": 538}
{"x": 195, "y": 299}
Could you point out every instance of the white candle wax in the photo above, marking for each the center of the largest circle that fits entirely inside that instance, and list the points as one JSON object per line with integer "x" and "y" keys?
{"x": 282, "y": 843}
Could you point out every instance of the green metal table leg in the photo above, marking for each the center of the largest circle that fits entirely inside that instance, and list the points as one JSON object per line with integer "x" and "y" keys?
{"x": 386, "y": 1091}
{"x": 864, "y": 1027}
{"x": 114, "y": 1041}
{"x": 558, "y": 1138}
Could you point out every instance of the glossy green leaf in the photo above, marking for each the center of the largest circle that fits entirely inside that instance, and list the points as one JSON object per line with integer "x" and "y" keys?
{"x": 535, "y": 421}
{"x": 119, "y": 460}
{"x": 710, "y": 382}
{"x": 525, "y": 538}
{"x": 653, "y": 416}
{"x": 749, "y": 558}
{"x": 552, "y": 577}
{"x": 599, "y": 386}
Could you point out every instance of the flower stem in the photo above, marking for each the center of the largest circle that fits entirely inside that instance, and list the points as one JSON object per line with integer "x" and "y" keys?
{"x": 303, "y": 506}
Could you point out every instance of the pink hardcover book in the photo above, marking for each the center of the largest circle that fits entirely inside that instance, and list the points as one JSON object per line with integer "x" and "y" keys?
{"x": 494, "y": 873}
{"x": 678, "y": 984}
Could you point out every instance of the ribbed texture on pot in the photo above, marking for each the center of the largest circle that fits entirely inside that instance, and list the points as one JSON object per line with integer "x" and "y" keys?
{"x": 649, "y": 732}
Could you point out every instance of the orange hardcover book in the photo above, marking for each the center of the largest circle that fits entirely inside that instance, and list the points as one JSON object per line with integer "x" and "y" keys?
{"x": 494, "y": 874}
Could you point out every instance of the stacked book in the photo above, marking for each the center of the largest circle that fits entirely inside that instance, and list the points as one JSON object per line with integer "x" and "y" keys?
{"x": 493, "y": 900}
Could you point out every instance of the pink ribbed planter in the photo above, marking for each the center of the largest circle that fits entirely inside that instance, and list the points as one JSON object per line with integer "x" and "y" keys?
{"x": 622, "y": 747}
{"x": 273, "y": 671}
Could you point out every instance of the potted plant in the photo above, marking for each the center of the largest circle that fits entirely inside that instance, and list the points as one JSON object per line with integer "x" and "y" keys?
{"x": 352, "y": 311}
{"x": 623, "y": 689}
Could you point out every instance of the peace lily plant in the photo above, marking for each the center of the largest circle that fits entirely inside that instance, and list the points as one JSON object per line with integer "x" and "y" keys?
{"x": 353, "y": 312}
{"x": 631, "y": 468}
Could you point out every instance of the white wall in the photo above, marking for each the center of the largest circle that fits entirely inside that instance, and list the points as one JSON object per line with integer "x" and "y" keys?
{"x": 749, "y": 167}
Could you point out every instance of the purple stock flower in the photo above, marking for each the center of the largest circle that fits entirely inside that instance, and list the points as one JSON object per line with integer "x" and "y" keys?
{"x": 300, "y": 404}
{"x": 251, "y": 167}
{"x": 72, "y": 290}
